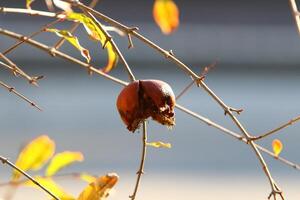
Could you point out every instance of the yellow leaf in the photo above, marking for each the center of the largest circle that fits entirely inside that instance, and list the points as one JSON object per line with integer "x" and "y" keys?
{"x": 99, "y": 189}
{"x": 62, "y": 160}
{"x": 28, "y": 3}
{"x": 72, "y": 40}
{"x": 159, "y": 144}
{"x": 51, "y": 186}
{"x": 166, "y": 15}
{"x": 87, "y": 178}
{"x": 96, "y": 33}
{"x": 34, "y": 155}
{"x": 277, "y": 147}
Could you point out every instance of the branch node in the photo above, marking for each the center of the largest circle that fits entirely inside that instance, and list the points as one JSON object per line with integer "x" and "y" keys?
{"x": 132, "y": 29}
{"x": 11, "y": 89}
{"x": 140, "y": 172}
{"x": 52, "y": 51}
{"x": 230, "y": 109}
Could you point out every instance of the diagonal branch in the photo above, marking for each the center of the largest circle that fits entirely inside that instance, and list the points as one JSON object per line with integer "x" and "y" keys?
{"x": 18, "y": 71}
{"x": 6, "y": 161}
{"x": 289, "y": 123}
{"x": 295, "y": 13}
{"x": 13, "y": 90}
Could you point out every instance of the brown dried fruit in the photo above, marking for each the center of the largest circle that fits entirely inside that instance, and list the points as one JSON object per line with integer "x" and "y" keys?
{"x": 146, "y": 98}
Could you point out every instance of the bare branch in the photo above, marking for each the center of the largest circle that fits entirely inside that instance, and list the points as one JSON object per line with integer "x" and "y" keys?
{"x": 6, "y": 161}
{"x": 12, "y": 89}
{"x": 295, "y": 13}
{"x": 31, "y": 36}
{"x": 235, "y": 135}
{"x": 18, "y": 71}
{"x": 142, "y": 163}
{"x": 289, "y": 123}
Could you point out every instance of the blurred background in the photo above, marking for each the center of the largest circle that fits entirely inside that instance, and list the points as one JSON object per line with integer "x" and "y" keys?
{"x": 257, "y": 48}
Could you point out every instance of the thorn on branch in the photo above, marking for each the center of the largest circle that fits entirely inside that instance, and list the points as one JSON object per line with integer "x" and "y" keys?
{"x": 130, "y": 45}
{"x": 52, "y": 51}
{"x": 35, "y": 79}
{"x": 132, "y": 29}
{"x": 230, "y": 109}
{"x": 169, "y": 53}
{"x": 140, "y": 172}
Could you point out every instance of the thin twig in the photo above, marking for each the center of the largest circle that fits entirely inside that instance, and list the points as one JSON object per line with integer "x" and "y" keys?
{"x": 289, "y": 123}
{"x": 75, "y": 175}
{"x": 6, "y": 161}
{"x": 203, "y": 74}
{"x": 13, "y": 90}
{"x": 18, "y": 71}
{"x": 31, "y": 36}
{"x": 235, "y": 135}
{"x": 32, "y": 12}
{"x": 142, "y": 163}
{"x": 295, "y": 14}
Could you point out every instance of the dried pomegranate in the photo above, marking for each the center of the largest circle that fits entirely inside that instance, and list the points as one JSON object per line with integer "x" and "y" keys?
{"x": 146, "y": 98}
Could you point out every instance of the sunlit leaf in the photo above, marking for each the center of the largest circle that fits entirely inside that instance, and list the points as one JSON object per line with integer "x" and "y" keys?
{"x": 277, "y": 147}
{"x": 87, "y": 178}
{"x": 28, "y": 3}
{"x": 96, "y": 33}
{"x": 34, "y": 155}
{"x": 51, "y": 186}
{"x": 166, "y": 15}
{"x": 159, "y": 144}
{"x": 99, "y": 189}
{"x": 63, "y": 5}
{"x": 72, "y": 40}
{"x": 62, "y": 160}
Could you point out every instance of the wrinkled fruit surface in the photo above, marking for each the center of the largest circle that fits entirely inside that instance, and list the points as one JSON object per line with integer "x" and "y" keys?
{"x": 146, "y": 98}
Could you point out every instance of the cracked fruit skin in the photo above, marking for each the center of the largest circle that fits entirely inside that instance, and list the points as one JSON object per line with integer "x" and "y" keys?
{"x": 146, "y": 98}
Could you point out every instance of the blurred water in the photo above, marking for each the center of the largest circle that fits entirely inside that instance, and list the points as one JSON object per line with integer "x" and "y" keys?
{"x": 80, "y": 114}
